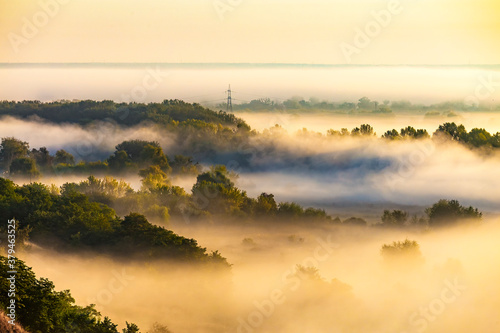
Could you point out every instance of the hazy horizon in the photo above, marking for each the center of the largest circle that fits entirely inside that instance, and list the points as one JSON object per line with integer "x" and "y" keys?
{"x": 207, "y": 83}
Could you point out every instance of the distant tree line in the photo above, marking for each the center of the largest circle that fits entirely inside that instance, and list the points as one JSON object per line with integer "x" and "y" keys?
{"x": 442, "y": 213}
{"x": 127, "y": 114}
{"x": 16, "y": 159}
{"x": 364, "y": 104}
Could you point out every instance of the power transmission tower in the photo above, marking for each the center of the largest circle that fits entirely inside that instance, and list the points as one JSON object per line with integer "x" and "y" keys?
{"x": 229, "y": 105}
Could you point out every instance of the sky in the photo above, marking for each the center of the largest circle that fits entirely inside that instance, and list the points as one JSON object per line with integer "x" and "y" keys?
{"x": 251, "y": 31}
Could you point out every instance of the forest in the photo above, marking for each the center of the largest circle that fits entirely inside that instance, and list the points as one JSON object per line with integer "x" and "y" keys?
{"x": 126, "y": 200}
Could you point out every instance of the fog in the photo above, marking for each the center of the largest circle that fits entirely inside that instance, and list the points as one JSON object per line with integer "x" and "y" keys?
{"x": 321, "y": 122}
{"x": 410, "y": 173}
{"x": 313, "y": 170}
{"x": 452, "y": 288}
{"x": 207, "y": 83}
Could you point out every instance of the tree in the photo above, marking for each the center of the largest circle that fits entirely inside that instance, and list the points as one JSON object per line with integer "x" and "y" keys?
{"x": 63, "y": 157}
{"x": 40, "y": 308}
{"x": 406, "y": 252}
{"x": 138, "y": 154}
{"x": 42, "y": 157}
{"x": 104, "y": 190}
{"x": 391, "y": 135}
{"x": 343, "y": 132}
{"x": 215, "y": 192}
{"x": 290, "y": 210}
{"x": 152, "y": 177}
{"x": 452, "y": 131}
{"x": 131, "y": 328}
{"x": 355, "y": 221}
{"x": 134, "y": 148}
{"x": 184, "y": 165}
{"x": 447, "y": 212}
{"x": 153, "y": 155}
{"x": 365, "y": 103}
{"x": 119, "y": 161}
{"x": 24, "y": 167}
{"x": 396, "y": 218}
{"x": 479, "y": 137}
{"x": 364, "y": 130}
{"x": 158, "y": 328}
{"x": 10, "y": 149}
{"x": 266, "y": 205}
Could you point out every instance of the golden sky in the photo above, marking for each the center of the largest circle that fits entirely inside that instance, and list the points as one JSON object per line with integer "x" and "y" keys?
{"x": 256, "y": 31}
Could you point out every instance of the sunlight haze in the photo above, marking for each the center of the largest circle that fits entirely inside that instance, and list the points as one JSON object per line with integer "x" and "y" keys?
{"x": 257, "y": 31}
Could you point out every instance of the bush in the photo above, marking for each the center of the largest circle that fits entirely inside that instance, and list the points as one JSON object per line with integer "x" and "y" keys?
{"x": 407, "y": 251}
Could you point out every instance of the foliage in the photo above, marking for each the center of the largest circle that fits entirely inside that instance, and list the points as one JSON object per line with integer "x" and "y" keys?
{"x": 63, "y": 157}
{"x": 10, "y": 149}
{"x": 446, "y": 212}
{"x": 396, "y": 218}
{"x": 215, "y": 191}
{"x": 128, "y": 114}
{"x": 72, "y": 221}
{"x": 355, "y": 221}
{"x": 364, "y": 130}
{"x": 406, "y": 133}
{"x": 158, "y": 328}
{"x": 407, "y": 250}
{"x": 42, "y": 309}
{"x": 24, "y": 167}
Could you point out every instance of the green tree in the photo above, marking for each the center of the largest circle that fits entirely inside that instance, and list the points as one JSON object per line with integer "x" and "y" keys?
{"x": 10, "y": 149}
{"x": 266, "y": 205}
{"x": 365, "y": 103}
{"x": 152, "y": 177}
{"x": 479, "y": 137}
{"x": 396, "y": 218}
{"x": 42, "y": 309}
{"x": 452, "y": 131}
{"x": 406, "y": 252}
{"x": 391, "y": 135}
{"x": 184, "y": 165}
{"x": 119, "y": 161}
{"x": 42, "y": 158}
{"x": 131, "y": 328}
{"x": 24, "y": 167}
{"x": 290, "y": 210}
{"x": 355, "y": 221}
{"x": 153, "y": 155}
{"x": 447, "y": 212}
{"x": 63, "y": 157}
{"x": 364, "y": 130}
{"x": 215, "y": 192}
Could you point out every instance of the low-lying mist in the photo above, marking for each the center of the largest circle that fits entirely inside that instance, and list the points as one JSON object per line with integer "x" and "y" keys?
{"x": 452, "y": 287}
{"x": 321, "y": 121}
{"x": 306, "y": 167}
